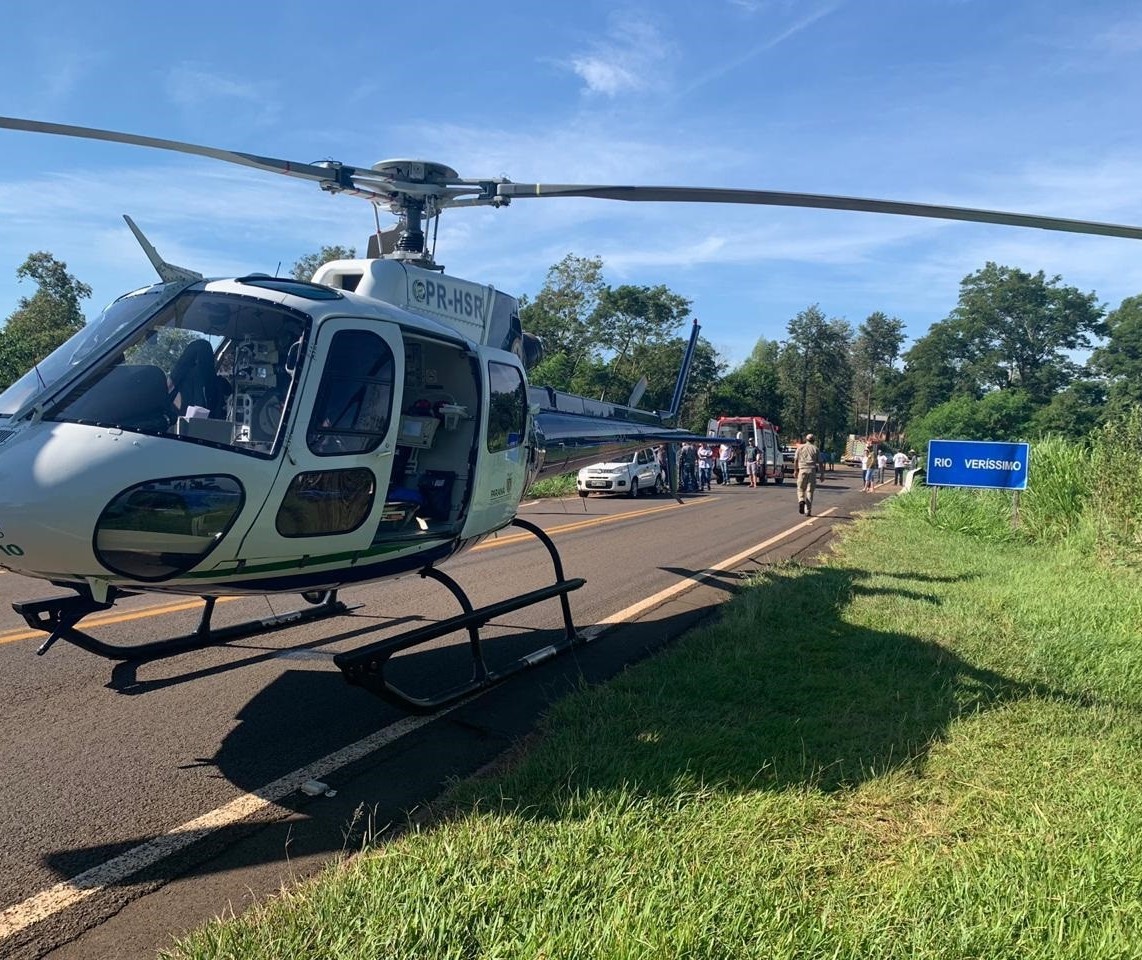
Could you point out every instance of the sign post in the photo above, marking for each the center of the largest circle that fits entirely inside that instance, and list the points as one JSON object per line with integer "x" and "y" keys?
{"x": 979, "y": 465}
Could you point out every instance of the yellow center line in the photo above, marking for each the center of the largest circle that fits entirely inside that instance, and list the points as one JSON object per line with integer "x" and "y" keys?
{"x": 589, "y": 522}
{"x": 109, "y": 619}
{"x": 11, "y": 636}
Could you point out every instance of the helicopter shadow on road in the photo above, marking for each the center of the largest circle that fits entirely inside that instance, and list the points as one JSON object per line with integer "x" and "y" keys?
{"x": 826, "y": 707}
{"x": 304, "y": 714}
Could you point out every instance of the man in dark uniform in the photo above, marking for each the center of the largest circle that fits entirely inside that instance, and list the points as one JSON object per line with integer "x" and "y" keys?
{"x": 805, "y": 462}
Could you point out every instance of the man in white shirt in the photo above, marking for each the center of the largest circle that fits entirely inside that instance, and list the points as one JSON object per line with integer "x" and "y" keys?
{"x": 705, "y": 466}
{"x": 899, "y": 463}
{"x": 725, "y": 456}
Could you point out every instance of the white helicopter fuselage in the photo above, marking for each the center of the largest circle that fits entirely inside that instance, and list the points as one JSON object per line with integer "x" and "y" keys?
{"x": 346, "y": 438}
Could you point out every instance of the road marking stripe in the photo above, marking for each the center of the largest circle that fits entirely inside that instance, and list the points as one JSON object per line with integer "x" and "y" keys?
{"x": 154, "y": 611}
{"x": 70, "y": 892}
{"x": 589, "y": 522}
{"x": 78, "y": 888}
{"x": 682, "y": 586}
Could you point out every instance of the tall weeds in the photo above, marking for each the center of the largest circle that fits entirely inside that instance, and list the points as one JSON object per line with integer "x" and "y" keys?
{"x": 1116, "y": 479}
{"x": 1091, "y": 489}
{"x": 1058, "y": 491}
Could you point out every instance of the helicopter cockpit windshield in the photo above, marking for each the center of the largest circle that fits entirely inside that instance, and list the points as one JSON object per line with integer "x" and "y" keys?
{"x": 110, "y": 326}
{"x": 206, "y": 367}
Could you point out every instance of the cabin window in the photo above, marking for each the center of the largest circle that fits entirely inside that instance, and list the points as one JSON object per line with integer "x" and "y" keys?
{"x": 507, "y": 407}
{"x": 162, "y": 528}
{"x": 354, "y": 401}
{"x": 320, "y": 503}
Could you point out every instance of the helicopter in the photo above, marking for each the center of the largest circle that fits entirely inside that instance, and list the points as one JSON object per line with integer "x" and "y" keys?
{"x": 265, "y": 435}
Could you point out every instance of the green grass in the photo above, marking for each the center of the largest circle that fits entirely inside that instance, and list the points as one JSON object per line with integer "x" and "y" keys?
{"x": 928, "y": 747}
{"x": 561, "y": 485}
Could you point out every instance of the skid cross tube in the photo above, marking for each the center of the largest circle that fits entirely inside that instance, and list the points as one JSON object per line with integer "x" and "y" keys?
{"x": 365, "y": 666}
{"x": 59, "y": 617}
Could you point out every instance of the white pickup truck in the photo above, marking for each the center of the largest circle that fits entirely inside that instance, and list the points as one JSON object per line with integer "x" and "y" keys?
{"x": 632, "y": 475}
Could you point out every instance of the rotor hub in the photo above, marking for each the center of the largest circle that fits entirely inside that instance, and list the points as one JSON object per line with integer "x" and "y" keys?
{"x": 416, "y": 171}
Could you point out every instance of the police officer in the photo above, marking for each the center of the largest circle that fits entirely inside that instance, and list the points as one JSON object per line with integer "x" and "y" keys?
{"x": 805, "y": 462}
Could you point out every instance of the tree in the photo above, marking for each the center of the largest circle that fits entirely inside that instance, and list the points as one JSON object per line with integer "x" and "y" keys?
{"x": 815, "y": 375}
{"x": 630, "y": 318}
{"x": 563, "y": 315}
{"x": 999, "y": 415}
{"x": 660, "y": 362}
{"x": 305, "y": 267}
{"x": 1074, "y": 413}
{"x": 875, "y": 351}
{"x": 1120, "y": 358}
{"x": 43, "y": 321}
{"x": 934, "y": 369}
{"x": 1017, "y": 326}
{"x": 753, "y": 388}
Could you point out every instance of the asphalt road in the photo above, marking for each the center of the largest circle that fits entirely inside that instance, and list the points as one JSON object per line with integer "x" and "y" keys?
{"x": 139, "y": 800}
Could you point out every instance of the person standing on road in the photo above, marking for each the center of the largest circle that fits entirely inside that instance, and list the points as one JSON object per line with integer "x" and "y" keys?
{"x": 705, "y": 466}
{"x": 881, "y": 464}
{"x": 725, "y": 455}
{"x": 751, "y": 454}
{"x": 688, "y": 469}
{"x": 805, "y": 463}
{"x": 869, "y": 469}
{"x": 899, "y": 463}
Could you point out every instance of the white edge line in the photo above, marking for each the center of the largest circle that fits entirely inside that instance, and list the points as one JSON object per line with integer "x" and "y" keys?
{"x": 70, "y": 892}
{"x": 670, "y": 592}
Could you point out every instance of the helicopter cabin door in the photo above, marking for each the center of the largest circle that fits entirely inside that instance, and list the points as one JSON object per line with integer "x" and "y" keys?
{"x": 328, "y": 496}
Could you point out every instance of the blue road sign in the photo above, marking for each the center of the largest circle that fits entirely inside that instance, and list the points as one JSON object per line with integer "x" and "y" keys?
{"x": 977, "y": 463}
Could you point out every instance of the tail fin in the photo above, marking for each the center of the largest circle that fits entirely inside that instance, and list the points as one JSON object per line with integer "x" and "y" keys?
{"x": 683, "y": 374}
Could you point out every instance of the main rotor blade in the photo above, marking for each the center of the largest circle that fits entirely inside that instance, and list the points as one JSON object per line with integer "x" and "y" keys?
{"x": 306, "y": 171}
{"x": 821, "y": 201}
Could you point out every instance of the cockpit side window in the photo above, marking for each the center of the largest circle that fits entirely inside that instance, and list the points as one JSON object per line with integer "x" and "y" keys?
{"x": 354, "y": 404}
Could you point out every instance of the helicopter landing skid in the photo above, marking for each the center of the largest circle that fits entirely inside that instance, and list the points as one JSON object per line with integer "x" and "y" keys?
{"x": 59, "y": 617}
{"x": 365, "y": 666}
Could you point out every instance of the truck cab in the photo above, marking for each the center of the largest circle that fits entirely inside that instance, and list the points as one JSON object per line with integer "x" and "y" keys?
{"x": 763, "y": 434}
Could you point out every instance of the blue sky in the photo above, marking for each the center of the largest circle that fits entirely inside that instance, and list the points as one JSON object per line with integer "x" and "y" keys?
{"x": 1028, "y": 106}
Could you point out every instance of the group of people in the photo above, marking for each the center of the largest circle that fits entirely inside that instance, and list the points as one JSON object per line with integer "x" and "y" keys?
{"x": 875, "y": 463}
{"x": 699, "y": 464}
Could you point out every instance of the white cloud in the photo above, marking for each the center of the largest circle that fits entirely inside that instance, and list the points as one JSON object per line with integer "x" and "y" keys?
{"x": 629, "y": 59}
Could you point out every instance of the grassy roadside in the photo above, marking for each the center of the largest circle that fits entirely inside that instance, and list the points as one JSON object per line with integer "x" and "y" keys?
{"x": 561, "y": 485}
{"x": 928, "y": 747}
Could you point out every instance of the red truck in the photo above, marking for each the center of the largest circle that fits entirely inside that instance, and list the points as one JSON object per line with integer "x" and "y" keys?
{"x": 763, "y": 434}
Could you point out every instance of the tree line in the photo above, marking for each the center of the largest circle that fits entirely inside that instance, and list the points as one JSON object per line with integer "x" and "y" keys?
{"x": 1021, "y": 355}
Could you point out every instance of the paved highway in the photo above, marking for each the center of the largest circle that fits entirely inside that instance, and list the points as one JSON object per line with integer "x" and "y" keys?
{"x": 138, "y": 801}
